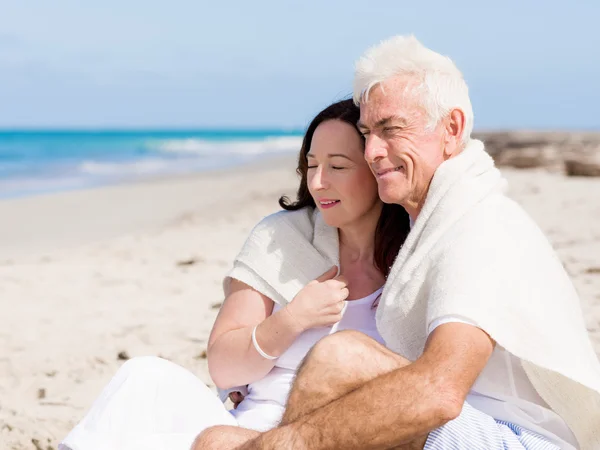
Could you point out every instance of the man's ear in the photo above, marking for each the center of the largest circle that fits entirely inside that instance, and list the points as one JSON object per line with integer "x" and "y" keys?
{"x": 454, "y": 129}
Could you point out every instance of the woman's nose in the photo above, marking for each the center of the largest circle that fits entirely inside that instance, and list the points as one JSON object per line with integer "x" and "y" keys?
{"x": 318, "y": 180}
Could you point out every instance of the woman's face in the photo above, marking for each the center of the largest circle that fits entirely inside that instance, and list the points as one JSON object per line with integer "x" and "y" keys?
{"x": 339, "y": 179}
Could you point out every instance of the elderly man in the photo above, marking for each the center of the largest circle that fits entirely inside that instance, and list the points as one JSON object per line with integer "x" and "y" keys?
{"x": 487, "y": 347}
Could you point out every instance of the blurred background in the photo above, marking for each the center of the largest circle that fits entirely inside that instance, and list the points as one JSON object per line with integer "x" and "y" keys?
{"x": 140, "y": 142}
{"x": 97, "y": 92}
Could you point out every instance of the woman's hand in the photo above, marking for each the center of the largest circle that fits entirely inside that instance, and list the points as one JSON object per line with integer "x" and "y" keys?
{"x": 321, "y": 302}
{"x": 236, "y": 398}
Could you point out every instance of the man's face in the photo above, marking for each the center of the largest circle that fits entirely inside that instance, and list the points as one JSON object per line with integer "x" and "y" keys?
{"x": 402, "y": 153}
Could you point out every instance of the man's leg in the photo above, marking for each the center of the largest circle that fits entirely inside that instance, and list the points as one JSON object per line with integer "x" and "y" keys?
{"x": 337, "y": 365}
{"x": 223, "y": 437}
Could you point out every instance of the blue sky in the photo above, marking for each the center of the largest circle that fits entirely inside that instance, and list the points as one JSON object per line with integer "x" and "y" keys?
{"x": 236, "y": 63}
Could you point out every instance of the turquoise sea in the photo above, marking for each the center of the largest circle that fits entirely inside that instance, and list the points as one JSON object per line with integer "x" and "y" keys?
{"x": 34, "y": 162}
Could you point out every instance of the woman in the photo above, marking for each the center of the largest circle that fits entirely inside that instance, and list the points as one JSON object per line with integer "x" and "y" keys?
{"x": 261, "y": 336}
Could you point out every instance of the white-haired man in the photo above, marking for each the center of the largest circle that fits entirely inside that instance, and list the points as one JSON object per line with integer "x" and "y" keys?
{"x": 487, "y": 347}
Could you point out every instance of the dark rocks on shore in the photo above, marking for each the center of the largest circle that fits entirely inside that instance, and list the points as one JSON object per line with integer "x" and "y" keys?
{"x": 572, "y": 153}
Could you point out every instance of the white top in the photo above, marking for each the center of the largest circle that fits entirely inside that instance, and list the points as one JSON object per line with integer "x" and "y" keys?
{"x": 264, "y": 405}
{"x": 504, "y": 392}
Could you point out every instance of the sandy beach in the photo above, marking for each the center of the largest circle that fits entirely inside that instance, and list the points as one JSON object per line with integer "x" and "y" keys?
{"x": 90, "y": 278}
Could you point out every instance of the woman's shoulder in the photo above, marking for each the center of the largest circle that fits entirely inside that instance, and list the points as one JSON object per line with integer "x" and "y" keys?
{"x": 302, "y": 220}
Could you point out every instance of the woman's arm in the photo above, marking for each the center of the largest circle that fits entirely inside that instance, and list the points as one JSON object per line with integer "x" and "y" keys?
{"x": 232, "y": 358}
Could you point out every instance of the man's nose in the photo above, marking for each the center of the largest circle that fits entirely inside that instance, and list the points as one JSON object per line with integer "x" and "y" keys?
{"x": 375, "y": 148}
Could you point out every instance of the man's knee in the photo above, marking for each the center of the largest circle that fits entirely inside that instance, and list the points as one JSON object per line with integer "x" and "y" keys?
{"x": 340, "y": 347}
{"x": 223, "y": 437}
{"x": 351, "y": 349}
{"x": 336, "y": 365}
{"x": 210, "y": 439}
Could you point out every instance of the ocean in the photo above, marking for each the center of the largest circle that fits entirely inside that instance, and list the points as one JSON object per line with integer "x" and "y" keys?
{"x": 36, "y": 162}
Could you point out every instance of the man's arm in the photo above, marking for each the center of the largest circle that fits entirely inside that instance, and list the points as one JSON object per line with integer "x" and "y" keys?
{"x": 398, "y": 407}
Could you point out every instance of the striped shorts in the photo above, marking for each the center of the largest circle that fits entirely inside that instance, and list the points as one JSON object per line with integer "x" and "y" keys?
{"x": 474, "y": 430}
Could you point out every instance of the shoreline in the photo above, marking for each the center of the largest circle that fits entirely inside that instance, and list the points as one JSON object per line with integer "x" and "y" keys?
{"x": 18, "y": 236}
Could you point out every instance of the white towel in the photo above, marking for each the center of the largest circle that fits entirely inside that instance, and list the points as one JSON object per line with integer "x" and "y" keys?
{"x": 475, "y": 253}
{"x": 284, "y": 252}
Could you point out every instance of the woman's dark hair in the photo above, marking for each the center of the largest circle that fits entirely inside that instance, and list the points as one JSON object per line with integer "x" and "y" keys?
{"x": 393, "y": 225}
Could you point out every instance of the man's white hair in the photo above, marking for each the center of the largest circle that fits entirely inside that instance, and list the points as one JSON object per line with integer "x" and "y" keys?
{"x": 441, "y": 86}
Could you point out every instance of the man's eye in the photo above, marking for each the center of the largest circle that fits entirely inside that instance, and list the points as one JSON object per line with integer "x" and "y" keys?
{"x": 337, "y": 167}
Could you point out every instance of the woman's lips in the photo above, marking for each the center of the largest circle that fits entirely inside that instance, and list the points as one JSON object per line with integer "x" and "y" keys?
{"x": 326, "y": 204}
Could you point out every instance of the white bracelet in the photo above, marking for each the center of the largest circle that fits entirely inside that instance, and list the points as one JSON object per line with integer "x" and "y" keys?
{"x": 257, "y": 347}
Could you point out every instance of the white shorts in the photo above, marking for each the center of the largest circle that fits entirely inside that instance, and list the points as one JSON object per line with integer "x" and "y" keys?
{"x": 149, "y": 404}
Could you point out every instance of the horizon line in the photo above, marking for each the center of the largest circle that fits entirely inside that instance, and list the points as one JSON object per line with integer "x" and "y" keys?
{"x": 249, "y": 129}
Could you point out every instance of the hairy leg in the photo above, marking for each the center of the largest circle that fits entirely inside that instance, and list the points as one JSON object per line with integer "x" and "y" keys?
{"x": 223, "y": 437}
{"x": 337, "y": 365}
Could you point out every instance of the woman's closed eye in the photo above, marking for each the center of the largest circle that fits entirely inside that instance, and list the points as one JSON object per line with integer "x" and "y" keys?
{"x": 333, "y": 167}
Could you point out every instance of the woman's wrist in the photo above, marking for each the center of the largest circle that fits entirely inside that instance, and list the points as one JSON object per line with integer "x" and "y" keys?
{"x": 259, "y": 349}
{"x": 275, "y": 334}
{"x": 291, "y": 319}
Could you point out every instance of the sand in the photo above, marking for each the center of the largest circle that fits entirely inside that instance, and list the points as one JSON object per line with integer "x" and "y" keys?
{"x": 92, "y": 277}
